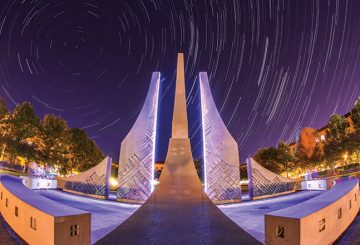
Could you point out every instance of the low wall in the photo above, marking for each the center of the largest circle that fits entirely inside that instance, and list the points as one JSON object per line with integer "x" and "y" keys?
{"x": 94, "y": 182}
{"x": 39, "y": 220}
{"x": 37, "y": 183}
{"x": 320, "y": 220}
{"x": 317, "y": 185}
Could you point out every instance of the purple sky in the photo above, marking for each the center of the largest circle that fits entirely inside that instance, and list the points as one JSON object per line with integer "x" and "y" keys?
{"x": 274, "y": 66}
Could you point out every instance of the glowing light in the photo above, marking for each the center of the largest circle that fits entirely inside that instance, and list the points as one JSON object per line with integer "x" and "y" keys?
{"x": 153, "y": 182}
{"x": 202, "y": 98}
{"x": 113, "y": 182}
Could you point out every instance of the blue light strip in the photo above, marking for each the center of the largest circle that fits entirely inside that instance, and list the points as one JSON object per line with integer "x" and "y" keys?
{"x": 202, "y": 101}
{"x": 155, "y": 132}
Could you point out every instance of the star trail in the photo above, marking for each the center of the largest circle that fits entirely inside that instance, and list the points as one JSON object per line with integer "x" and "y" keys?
{"x": 274, "y": 66}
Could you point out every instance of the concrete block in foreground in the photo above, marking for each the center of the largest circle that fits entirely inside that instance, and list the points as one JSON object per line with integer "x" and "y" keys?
{"x": 39, "y": 220}
{"x": 320, "y": 220}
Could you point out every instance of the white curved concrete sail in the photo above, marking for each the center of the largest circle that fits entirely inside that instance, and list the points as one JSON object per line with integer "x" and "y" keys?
{"x": 264, "y": 183}
{"x": 93, "y": 182}
{"x": 221, "y": 154}
{"x": 137, "y": 151}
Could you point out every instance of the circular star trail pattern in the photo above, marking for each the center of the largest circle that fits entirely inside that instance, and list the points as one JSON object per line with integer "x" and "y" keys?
{"x": 274, "y": 66}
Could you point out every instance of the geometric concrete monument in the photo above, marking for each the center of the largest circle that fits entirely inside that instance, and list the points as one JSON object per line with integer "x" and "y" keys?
{"x": 137, "y": 152}
{"x": 263, "y": 183}
{"x": 93, "y": 182}
{"x": 178, "y": 211}
{"x": 221, "y": 154}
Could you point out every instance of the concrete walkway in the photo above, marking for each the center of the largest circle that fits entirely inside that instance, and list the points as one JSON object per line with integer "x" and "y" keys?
{"x": 5, "y": 237}
{"x": 352, "y": 234}
{"x": 105, "y": 215}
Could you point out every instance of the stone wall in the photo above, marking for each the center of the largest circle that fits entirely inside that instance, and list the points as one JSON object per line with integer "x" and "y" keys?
{"x": 38, "y": 220}
{"x": 320, "y": 220}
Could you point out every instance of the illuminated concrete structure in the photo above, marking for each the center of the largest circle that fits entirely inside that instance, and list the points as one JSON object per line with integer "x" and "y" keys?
{"x": 39, "y": 183}
{"x": 94, "y": 182}
{"x": 221, "y": 154}
{"x": 178, "y": 211}
{"x": 39, "y": 220}
{"x": 137, "y": 152}
{"x": 320, "y": 220}
{"x": 264, "y": 183}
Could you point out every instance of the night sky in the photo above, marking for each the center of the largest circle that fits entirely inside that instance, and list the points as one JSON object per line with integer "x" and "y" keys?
{"x": 274, "y": 66}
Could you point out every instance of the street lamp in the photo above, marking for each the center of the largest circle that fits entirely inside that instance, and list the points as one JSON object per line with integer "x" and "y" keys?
{"x": 345, "y": 157}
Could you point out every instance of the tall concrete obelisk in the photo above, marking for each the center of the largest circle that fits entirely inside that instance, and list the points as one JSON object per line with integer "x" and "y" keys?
{"x": 180, "y": 121}
{"x": 179, "y": 211}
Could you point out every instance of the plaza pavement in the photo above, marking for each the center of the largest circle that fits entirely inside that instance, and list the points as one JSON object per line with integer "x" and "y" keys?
{"x": 249, "y": 215}
{"x": 5, "y": 237}
{"x": 105, "y": 215}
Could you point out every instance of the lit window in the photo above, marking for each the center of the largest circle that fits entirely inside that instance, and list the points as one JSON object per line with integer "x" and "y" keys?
{"x": 33, "y": 223}
{"x": 322, "y": 137}
{"x": 74, "y": 230}
{"x": 339, "y": 213}
{"x": 16, "y": 211}
{"x": 321, "y": 225}
{"x": 280, "y": 231}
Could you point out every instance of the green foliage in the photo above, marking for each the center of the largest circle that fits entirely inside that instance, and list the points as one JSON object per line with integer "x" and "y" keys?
{"x": 21, "y": 130}
{"x": 3, "y": 108}
{"x": 284, "y": 157}
{"x": 342, "y": 144}
{"x": 84, "y": 152}
{"x": 337, "y": 129}
{"x": 55, "y": 134}
{"x": 49, "y": 141}
{"x": 267, "y": 157}
{"x": 355, "y": 114}
{"x": 337, "y": 134}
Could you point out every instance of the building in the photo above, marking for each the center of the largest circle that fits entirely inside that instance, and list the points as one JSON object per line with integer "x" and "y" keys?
{"x": 321, "y": 133}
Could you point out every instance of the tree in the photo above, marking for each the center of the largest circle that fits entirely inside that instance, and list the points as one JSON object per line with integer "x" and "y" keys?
{"x": 199, "y": 163}
{"x": 284, "y": 156}
{"x": 21, "y": 133}
{"x": 352, "y": 144}
{"x": 307, "y": 144}
{"x": 355, "y": 114}
{"x": 337, "y": 133}
{"x": 267, "y": 157}
{"x": 3, "y": 108}
{"x": 84, "y": 153}
{"x": 337, "y": 130}
{"x": 55, "y": 134}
